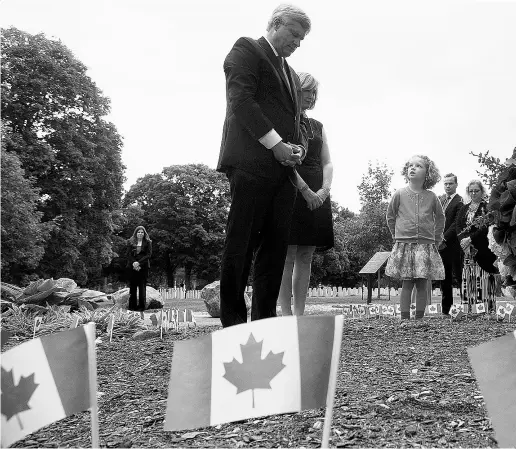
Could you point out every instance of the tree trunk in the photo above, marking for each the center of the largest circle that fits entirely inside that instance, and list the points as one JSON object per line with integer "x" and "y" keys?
{"x": 188, "y": 275}
{"x": 170, "y": 270}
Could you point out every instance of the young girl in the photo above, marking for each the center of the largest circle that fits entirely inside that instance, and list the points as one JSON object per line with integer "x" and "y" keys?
{"x": 416, "y": 220}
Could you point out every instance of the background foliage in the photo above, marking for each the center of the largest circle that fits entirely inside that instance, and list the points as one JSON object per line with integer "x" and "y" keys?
{"x": 52, "y": 123}
{"x": 64, "y": 212}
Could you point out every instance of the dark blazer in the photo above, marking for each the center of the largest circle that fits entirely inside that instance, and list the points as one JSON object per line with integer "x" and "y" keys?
{"x": 484, "y": 257}
{"x": 450, "y": 216}
{"x": 142, "y": 257}
{"x": 258, "y": 100}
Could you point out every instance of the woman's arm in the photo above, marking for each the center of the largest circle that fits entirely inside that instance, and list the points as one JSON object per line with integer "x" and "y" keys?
{"x": 461, "y": 222}
{"x": 130, "y": 253}
{"x": 327, "y": 167}
{"x": 147, "y": 254}
{"x": 477, "y": 235}
{"x": 313, "y": 201}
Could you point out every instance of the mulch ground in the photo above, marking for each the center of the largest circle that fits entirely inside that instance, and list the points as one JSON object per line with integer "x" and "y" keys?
{"x": 397, "y": 387}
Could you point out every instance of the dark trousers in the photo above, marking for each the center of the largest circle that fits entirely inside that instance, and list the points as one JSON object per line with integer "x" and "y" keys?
{"x": 138, "y": 281}
{"x": 452, "y": 262}
{"x": 258, "y": 223}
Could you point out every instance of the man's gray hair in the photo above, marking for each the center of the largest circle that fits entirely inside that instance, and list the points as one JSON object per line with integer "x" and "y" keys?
{"x": 286, "y": 12}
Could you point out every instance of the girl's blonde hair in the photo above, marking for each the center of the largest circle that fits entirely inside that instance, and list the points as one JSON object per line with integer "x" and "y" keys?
{"x": 432, "y": 176}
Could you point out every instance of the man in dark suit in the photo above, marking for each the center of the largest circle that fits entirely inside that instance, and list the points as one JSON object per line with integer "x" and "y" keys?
{"x": 262, "y": 141}
{"x": 450, "y": 249}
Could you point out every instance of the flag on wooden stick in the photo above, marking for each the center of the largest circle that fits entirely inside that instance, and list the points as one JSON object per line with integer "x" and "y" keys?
{"x": 494, "y": 363}
{"x": 264, "y": 367}
{"x": 110, "y": 326}
{"x": 190, "y": 318}
{"x": 5, "y": 336}
{"x": 75, "y": 322}
{"x": 37, "y": 324}
{"x": 46, "y": 379}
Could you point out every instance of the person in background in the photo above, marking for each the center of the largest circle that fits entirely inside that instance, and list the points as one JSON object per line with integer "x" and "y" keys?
{"x": 450, "y": 249}
{"x": 139, "y": 251}
{"x": 262, "y": 140}
{"x": 312, "y": 223}
{"x": 478, "y": 280}
{"x": 416, "y": 221}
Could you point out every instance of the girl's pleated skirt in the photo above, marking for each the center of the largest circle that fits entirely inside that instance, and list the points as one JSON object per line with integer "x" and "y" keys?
{"x": 415, "y": 261}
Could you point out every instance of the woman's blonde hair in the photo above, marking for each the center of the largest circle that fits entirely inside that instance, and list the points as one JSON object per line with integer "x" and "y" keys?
{"x": 480, "y": 186}
{"x": 308, "y": 82}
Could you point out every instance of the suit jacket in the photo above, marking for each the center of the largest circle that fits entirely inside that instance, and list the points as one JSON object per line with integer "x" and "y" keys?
{"x": 450, "y": 216}
{"x": 142, "y": 257}
{"x": 484, "y": 256}
{"x": 258, "y": 99}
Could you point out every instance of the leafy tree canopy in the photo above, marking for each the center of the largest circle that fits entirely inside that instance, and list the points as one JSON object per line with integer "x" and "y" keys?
{"x": 491, "y": 168}
{"x": 52, "y": 115}
{"x": 185, "y": 210}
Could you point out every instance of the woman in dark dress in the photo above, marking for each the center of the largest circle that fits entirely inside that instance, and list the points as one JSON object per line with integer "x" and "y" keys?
{"x": 139, "y": 251}
{"x": 312, "y": 223}
{"x": 478, "y": 280}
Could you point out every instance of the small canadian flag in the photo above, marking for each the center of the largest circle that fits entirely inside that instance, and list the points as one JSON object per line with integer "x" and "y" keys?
{"x": 456, "y": 313}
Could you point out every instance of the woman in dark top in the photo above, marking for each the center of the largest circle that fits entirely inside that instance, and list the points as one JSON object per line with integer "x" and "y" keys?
{"x": 478, "y": 270}
{"x": 139, "y": 251}
{"x": 312, "y": 223}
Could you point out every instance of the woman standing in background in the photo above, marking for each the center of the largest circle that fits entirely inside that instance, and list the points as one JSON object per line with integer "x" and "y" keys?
{"x": 139, "y": 249}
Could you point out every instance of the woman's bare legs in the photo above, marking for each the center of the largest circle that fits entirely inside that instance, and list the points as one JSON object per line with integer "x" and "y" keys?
{"x": 301, "y": 277}
{"x": 285, "y": 293}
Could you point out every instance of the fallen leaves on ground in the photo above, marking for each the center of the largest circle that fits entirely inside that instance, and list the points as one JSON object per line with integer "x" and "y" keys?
{"x": 397, "y": 387}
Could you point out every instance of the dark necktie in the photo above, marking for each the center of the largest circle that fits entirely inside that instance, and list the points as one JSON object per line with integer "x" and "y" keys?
{"x": 446, "y": 202}
{"x": 282, "y": 65}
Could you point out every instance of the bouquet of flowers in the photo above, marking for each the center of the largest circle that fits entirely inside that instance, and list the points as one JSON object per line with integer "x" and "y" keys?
{"x": 501, "y": 218}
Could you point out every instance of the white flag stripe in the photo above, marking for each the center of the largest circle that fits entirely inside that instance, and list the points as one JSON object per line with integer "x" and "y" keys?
{"x": 23, "y": 361}
{"x": 226, "y": 404}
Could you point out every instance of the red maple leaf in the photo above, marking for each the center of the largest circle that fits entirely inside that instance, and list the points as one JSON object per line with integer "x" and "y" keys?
{"x": 15, "y": 398}
{"x": 254, "y": 372}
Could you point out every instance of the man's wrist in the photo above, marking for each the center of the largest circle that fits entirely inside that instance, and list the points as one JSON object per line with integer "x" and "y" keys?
{"x": 270, "y": 140}
{"x": 303, "y": 188}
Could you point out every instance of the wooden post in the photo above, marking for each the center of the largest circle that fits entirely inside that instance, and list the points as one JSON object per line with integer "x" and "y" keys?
{"x": 369, "y": 288}
{"x": 378, "y": 283}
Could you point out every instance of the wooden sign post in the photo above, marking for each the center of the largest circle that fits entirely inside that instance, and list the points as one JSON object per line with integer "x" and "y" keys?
{"x": 372, "y": 267}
